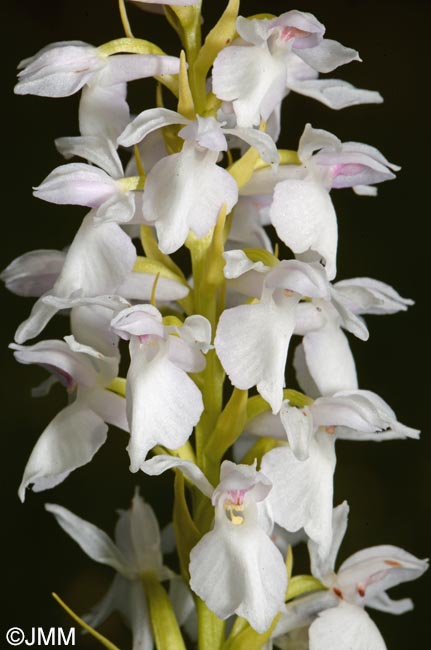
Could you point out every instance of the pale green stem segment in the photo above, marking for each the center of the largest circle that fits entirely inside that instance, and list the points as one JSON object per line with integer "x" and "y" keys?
{"x": 166, "y": 631}
{"x": 132, "y": 183}
{"x": 187, "y": 534}
{"x": 103, "y": 640}
{"x": 229, "y": 427}
{"x": 211, "y": 630}
{"x": 303, "y": 584}
{"x": 128, "y": 45}
{"x": 124, "y": 19}
{"x": 289, "y": 562}
{"x": 207, "y": 265}
{"x": 243, "y": 637}
{"x": 153, "y": 253}
{"x": 187, "y": 23}
{"x": 257, "y": 405}
{"x": 220, "y": 35}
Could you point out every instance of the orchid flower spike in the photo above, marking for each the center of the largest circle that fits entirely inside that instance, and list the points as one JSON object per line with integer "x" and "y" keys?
{"x": 163, "y": 403}
{"x": 235, "y": 568}
{"x": 274, "y": 56}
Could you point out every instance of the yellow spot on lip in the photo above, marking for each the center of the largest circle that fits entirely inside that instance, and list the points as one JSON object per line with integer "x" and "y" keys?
{"x": 234, "y": 512}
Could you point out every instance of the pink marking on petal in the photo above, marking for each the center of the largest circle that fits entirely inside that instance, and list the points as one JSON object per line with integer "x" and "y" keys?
{"x": 361, "y": 590}
{"x": 287, "y": 33}
{"x": 237, "y": 496}
{"x": 63, "y": 377}
{"x": 346, "y": 169}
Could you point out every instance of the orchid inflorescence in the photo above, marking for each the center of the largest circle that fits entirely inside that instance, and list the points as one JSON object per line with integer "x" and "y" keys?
{"x": 253, "y": 472}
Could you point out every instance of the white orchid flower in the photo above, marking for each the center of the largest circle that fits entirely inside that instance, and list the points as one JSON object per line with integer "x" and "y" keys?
{"x": 323, "y": 362}
{"x": 235, "y": 568}
{"x": 302, "y": 473}
{"x": 79, "y": 430}
{"x": 275, "y": 56}
{"x": 97, "y": 263}
{"x": 63, "y": 68}
{"x": 136, "y": 551}
{"x": 302, "y": 211}
{"x": 336, "y": 618}
{"x": 252, "y": 340}
{"x": 163, "y": 403}
{"x": 36, "y": 272}
{"x": 103, "y": 188}
{"x": 186, "y": 191}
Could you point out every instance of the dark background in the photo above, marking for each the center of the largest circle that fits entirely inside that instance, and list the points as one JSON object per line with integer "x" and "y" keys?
{"x": 387, "y": 485}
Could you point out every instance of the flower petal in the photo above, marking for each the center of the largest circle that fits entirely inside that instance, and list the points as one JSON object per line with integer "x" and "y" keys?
{"x": 160, "y": 463}
{"x": 299, "y": 427}
{"x": 186, "y": 191}
{"x": 163, "y": 405}
{"x": 334, "y": 93}
{"x": 373, "y": 570}
{"x": 369, "y": 296}
{"x": 252, "y": 79}
{"x": 109, "y": 406}
{"x": 76, "y": 184}
{"x": 128, "y": 67}
{"x": 345, "y": 626}
{"x": 68, "y": 442}
{"x": 252, "y": 343}
{"x": 329, "y": 360}
{"x": 239, "y": 570}
{"x": 323, "y": 567}
{"x": 327, "y": 55}
{"x": 97, "y": 262}
{"x": 59, "y": 70}
{"x": 95, "y": 149}
{"x": 301, "y": 496}
{"x": 383, "y": 603}
{"x": 360, "y": 412}
{"x": 103, "y": 111}
{"x": 69, "y": 367}
{"x": 93, "y": 541}
{"x": 147, "y": 122}
{"x": 304, "y": 218}
{"x": 33, "y": 273}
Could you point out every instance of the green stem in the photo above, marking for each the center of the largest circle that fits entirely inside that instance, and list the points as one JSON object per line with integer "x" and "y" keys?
{"x": 211, "y": 628}
{"x": 167, "y": 634}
